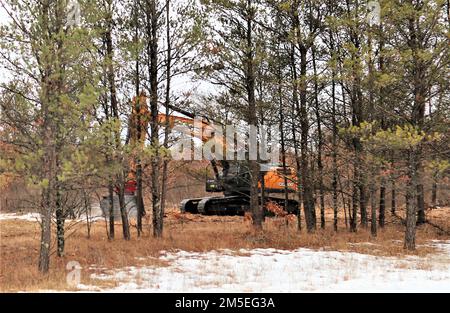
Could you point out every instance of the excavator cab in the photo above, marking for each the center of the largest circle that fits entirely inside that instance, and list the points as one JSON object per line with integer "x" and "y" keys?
{"x": 212, "y": 185}
{"x": 232, "y": 178}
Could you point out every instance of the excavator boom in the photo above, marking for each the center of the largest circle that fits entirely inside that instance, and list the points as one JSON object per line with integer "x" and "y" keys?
{"x": 276, "y": 185}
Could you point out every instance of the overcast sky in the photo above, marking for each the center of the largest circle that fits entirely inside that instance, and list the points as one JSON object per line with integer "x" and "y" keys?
{"x": 180, "y": 84}
{"x": 4, "y": 18}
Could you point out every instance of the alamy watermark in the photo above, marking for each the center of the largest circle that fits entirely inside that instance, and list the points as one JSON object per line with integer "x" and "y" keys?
{"x": 73, "y": 14}
{"x": 374, "y": 13}
{"x": 212, "y": 142}
{"x": 73, "y": 277}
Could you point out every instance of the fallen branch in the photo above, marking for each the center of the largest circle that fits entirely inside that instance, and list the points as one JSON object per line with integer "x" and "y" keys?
{"x": 442, "y": 230}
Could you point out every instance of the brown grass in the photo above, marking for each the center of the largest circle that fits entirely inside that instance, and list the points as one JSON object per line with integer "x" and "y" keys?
{"x": 19, "y": 242}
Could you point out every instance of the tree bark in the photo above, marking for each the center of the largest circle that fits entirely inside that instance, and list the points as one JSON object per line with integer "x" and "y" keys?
{"x": 354, "y": 215}
{"x": 382, "y": 214}
{"x": 295, "y": 110}
{"x": 373, "y": 223}
{"x": 421, "y": 219}
{"x": 139, "y": 170}
{"x": 48, "y": 203}
{"x": 60, "y": 220}
{"x": 152, "y": 49}
{"x": 411, "y": 207}
{"x": 165, "y": 169}
{"x": 420, "y": 90}
{"x": 48, "y": 135}
{"x": 111, "y": 210}
{"x": 381, "y": 103}
{"x": 281, "y": 126}
{"x": 123, "y": 211}
{"x": 307, "y": 185}
{"x": 356, "y": 99}
{"x": 434, "y": 188}
{"x": 393, "y": 196}
{"x": 252, "y": 119}
{"x": 48, "y": 192}
{"x": 115, "y": 111}
{"x": 320, "y": 142}
{"x": 334, "y": 141}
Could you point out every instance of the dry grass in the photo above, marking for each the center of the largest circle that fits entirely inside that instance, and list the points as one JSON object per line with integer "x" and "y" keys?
{"x": 19, "y": 242}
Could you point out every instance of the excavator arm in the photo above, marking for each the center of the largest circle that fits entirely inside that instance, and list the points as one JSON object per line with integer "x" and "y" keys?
{"x": 138, "y": 126}
{"x": 206, "y": 133}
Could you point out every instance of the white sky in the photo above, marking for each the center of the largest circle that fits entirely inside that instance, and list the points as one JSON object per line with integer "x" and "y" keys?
{"x": 181, "y": 84}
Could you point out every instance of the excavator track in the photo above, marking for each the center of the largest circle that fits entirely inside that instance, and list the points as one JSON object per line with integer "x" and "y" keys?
{"x": 229, "y": 205}
{"x": 232, "y": 205}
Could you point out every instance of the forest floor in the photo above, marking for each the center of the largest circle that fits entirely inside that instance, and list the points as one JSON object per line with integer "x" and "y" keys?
{"x": 200, "y": 253}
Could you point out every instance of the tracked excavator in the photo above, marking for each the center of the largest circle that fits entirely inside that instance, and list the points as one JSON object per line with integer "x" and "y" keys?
{"x": 231, "y": 177}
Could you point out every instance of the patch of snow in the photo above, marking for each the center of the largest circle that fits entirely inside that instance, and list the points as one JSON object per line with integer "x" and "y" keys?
{"x": 444, "y": 246}
{"x": 271, "y": 270}
{"x": 31, "y": 217}
{"x": 36, "y": 217}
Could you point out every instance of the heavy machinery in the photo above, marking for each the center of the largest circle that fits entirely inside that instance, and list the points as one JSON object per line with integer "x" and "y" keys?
{"x": 231, "y": 178}
{"x": 234, "y": 183}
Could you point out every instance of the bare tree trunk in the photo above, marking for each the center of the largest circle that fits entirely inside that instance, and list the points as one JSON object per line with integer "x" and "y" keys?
{"x": 356, "y": 100}
{"x": 411, "y": 208}
{"x": 306, "y": 179}
{"x": 60, "y": 220}
{"x": 347, "y": 219}
{"x": 373, "y": 223}
{"x": 49, "y": 93}
{"x": 48, "y": 201}
{"x": 46, "y": 216}
{"x": 295, "y": 110}
{"x": 111, "y": 210}
{"x": 165, "y": 169}
{"x": 88, "y": 211}
{"x": 407, "y": 200}
{"x": 320, "y": 142}
{"x": 115, "y": 111}
{"x": 382, "y": 214}
{"x": 381, "y": 100}
{"x": 393, "y": 196}
{"x": 421, "y": 219}
{"x": 281, "y": 128}
{"x": 139, "y": 197}
{"x": 252, "y": 119}
{"x": 139, "y": 172}
{"x": 434, "y": 188}
{"x": 283, "y": 158}
{"x": 140, "y": 208}
{"x": 355, "y": 199}
{"x": 152, "y": 49}
{"x": 363, "y": 198}
{"x": 420, "y": 90}
{"x": 123, "y": 210}
{"x": 334, "y": 141}
{"x": 307, "y": 185}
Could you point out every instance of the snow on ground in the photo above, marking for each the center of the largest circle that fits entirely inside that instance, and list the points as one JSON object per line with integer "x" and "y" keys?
{"x": 271, "y": 270}
{"x": 36, "y": 217}
{"x": 31, "y": 217}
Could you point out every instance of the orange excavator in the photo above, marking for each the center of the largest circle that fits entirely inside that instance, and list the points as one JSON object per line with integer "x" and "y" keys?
{"x": 231, "y": 177}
